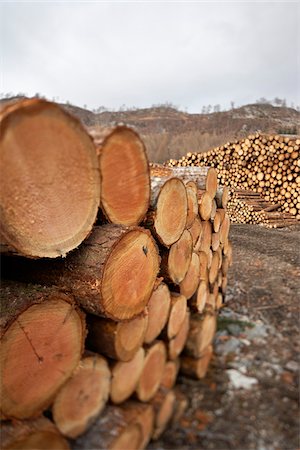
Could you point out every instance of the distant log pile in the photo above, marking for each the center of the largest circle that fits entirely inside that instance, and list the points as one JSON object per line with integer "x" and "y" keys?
{"x": 96, "y": 339}
{"x": 268, "y": 165}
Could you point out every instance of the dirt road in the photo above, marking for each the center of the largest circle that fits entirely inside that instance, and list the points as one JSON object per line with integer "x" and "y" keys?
{"x": 250, "y": 397}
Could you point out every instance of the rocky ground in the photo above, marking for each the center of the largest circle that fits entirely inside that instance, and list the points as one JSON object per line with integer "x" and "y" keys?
{"x": 250, "y": 396}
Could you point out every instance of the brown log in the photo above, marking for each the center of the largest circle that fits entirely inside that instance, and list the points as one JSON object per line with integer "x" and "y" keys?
{"x": 224, "y": 229}
{"x": 125, "y": 377}
{"x": 176, "y": 345}
{"x": 143, "y": 415}
{"x": 192, "y": 211}
{"x": 196, "y": 231}
{"x": 176, "y": 261}
{"x": 181, "y": 404}
{"x": 215, "y": 241}
{"x": 205, "y": 205}
{"x": 125, "y": 177}
{"x": 203, "y": 270}
{"x": 112, "y": 274}
{"x": 158, "y": 312}
{"x": 42, "y": 335}
{"x": 196, "y": 368}
{"x": 212, "y": 182}
{"x": 152, "y": 372}
{"x": 170, "y": 374}
{"x": 169, "y": 204}
{"x": 199, "y": 299}
{"x": 201, "y": 333}
{"x": 113, "y": 430}
{"x": 205, "y": 242}
{"x": 82, "y": 397}
{"x": 50, "y": 180}
{"x": 117, "y": 340}
{"x": 163, "y": 404}
{"x": 222, "y": 196}
{"x": 176, "y": 316}
{"x": 37, "y": 434}
{"x": 189, "y": 284}
{"x": 214, "y": 268}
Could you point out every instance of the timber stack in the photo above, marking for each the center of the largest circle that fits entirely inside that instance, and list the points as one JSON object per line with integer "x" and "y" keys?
{"x": 268, "y": 165}
{"x": 113, "y": 275}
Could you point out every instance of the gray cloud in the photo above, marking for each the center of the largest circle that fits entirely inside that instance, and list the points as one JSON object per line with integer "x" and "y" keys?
{"x": 142, "y": 53}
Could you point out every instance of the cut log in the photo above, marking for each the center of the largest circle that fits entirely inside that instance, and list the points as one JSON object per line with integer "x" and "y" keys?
{"x": 143, "y": 415}
{"x": 199, "y": 299}
{"x": 167, "y": 220}
{"x": 205, "y": 242}
{"x": 163, "y": 403}
{"x": 219, "y": 301}
{"x": 113, "y": 430}
{"x": 37, "y": 434}
{"x": 176, "y": 261}
{"x": 203, "y": 270}
{"x": 117, "y": 340}
{"x": 82, "y": 397}
{"x": 154, "y": 365}
{"x": 176, "y": 316}
{"x": 125, "y": 377}
{"x": 217, "y": 221}
{"x": 50, "y": 180}
{"x": 192, "y": 211}
{"x": 224, "y": 229}
{"x": 215, "y": 241}
{"x": 205, "y": 205}
{"x": 214, "y": 268}
{"x": 189, "y": 284}
{"x": 196, "y": 368}
{"x": 158, "y": 312}
{"x": 201, "y": 333}
{"x": 176, "y": 345}
{"x": 112, "y": 274}
{"x": 196, "y": 231}
{"x": 42, "y": 335}
{"x": 170, "y": 374}
{"x": 222, "y": 196}
{"x": 125, "y": 177}
{"x": 212, "y": 182}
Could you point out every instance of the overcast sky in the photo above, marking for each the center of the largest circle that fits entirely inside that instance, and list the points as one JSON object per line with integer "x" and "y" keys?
{"x": 143, "y": 53}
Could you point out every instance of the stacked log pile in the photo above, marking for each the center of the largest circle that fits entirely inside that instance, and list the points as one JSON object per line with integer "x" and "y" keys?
{"x": 269, "y": 165}
{"x": 94, "y": 341}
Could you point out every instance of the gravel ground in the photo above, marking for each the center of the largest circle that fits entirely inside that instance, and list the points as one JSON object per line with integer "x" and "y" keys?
{"x": 250, "y": 396}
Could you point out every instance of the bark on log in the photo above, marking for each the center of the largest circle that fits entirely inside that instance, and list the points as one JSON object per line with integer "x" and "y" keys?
{"x": 176, "y": 261}
{"x": 37, "y": 434}
{"x": 82, "y": 397}
{"x": 168, "y": 215}
{"x": 50, "y": 180}
{"x": 117, "y": 340}
{"x": 125, "y": 377}
{"x": 112, "y": 274}
{"x": 125, "y": 177}
{"x": 113, "y": 430}
{"x": 158, "y": 312}
{"x": 201, "y": 333}
{"x": 163, "y": 404}
{"x": 152, "y": 372}
{"x": 42, "y": 335}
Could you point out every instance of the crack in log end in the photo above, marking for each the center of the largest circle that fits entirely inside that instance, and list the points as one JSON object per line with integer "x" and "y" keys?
{"x": 39, "y": 358}
{"x": 68, "y": 314}
{"x": 145, "y": 250}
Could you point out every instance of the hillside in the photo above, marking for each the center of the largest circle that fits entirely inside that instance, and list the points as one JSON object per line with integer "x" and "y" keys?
{"x": 170, "y": 133}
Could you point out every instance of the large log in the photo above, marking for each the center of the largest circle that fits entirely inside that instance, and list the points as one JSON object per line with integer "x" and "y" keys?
{"x": 125, "y": 178}
{"x": 176, "y": 260}
{"x": 112, "y": 274}
{"x": 168, "y": 215}
{"x": 117, "y": 340}
{"x": 82, "y": 397}
{"x": 152, "y": 372}
{"x": 176, "y": 316}
{"x": 42, "y": 335}
{"x": 190, "y": 282}
{"x": 201, "y": 333}
{"x": 34, "y": 434}
{"x": 196, "y": 367}
{"x": 143, "y": 415}
{"x": 163, "y": 404}
{"x": 158, "y": 312}
{"x": 125, "y": 377}
{"x": 50, "y": 180}
{"x": 176, "y": 345}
